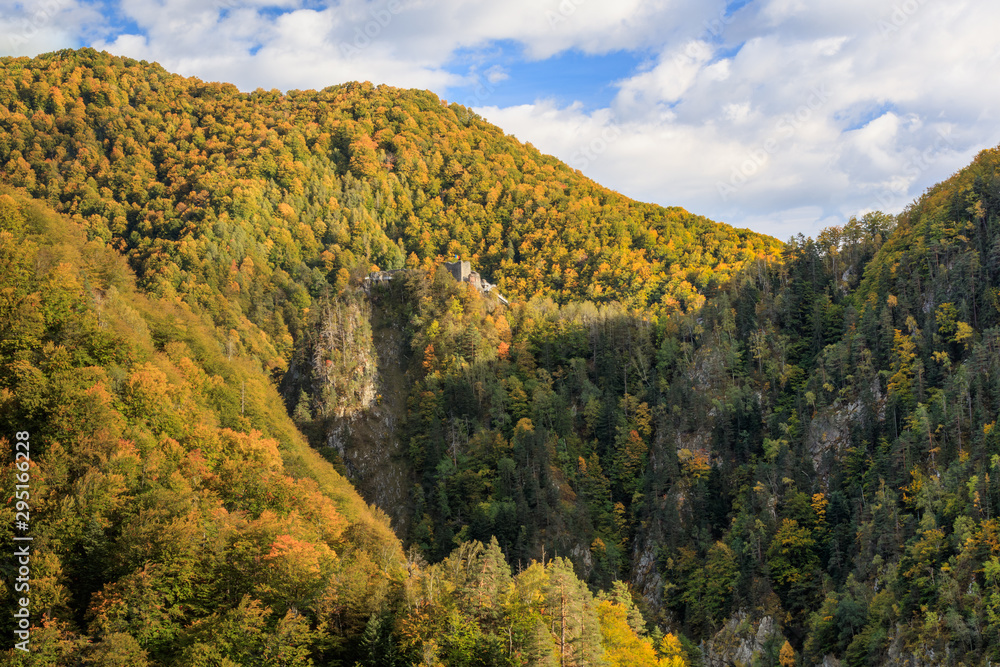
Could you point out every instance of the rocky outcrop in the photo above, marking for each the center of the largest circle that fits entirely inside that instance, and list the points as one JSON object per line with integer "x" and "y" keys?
{"x": 898, "y": 654}
{"x": 646, "y": 577}
{"x": 368, "y": 439}
{"x": 344, "y": 360}
{"x": 920, "y": 655}
{"x": 830, "y": 429}
{"x": 344, "y": 389}
{"x": 741, "y": 641}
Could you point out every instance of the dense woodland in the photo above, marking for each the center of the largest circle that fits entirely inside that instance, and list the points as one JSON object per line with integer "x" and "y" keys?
{"x": 674, "y": 425}
{"x": 180, "y": 518}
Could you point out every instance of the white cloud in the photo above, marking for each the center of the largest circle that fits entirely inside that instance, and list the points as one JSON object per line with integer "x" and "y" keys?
{"x": 818, "y": 116}
{"x": 737, "y": 112}
{"x": 788, "y": 112}
{"x": 496, "y": 74}
{"x": 402, "y": 42}
{"x": 27, "y": 29}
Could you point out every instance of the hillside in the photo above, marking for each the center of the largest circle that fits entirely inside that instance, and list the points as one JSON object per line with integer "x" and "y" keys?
{"x": 810, "y": 457}
{"x": 680, "y": 444}
{"x": 168, "y": 488}
{"x": 260, "y": 199}
{"x": 177, "y": 517}
{"x": 157, "y": 281}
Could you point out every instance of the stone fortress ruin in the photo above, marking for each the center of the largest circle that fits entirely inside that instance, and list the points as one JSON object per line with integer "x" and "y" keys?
{"x": 461, "y": 270}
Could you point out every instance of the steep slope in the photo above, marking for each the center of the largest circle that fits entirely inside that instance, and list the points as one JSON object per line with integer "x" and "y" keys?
{"x": 180, "y": 515}
{"x": 261, "y": 199}
{"x": 804, "y": 447}
{"x": 177, "y": 517}
{"x": 170, "y": 494}
{"x": 815, "y": 447}
{"x": 261, "y": 209}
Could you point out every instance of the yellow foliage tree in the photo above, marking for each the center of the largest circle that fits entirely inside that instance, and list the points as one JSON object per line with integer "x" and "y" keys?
{"x": 622, "y": 646}
{"x": 787, "y": 655}
{"x": 671, "y": 652}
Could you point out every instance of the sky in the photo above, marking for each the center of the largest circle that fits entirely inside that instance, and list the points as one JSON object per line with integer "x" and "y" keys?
{"x": 784, "y": 116}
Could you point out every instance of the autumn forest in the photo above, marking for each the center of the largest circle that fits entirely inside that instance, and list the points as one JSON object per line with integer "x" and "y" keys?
{"x": 679, "y": 443}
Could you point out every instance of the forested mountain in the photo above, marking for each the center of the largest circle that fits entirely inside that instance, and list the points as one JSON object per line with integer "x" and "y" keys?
{"x": 174, "y": 505}
{"x": 787, "y": 453}
{"x": 168, "y": 246}
{"x": 816, "y": 445}
{"x": 259, "y": 199}
{"x": 178, "y": 517}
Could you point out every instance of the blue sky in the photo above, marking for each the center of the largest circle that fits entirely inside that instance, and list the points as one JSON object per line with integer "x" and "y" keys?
{"x": 503, "y": 76}
{"x": 784, "y": 116}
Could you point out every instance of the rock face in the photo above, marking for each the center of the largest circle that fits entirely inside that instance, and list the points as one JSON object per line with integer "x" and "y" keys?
{"x": 346, "y": 384}
{"x": 646, "y": 576}
{"x": 344, "y": 360}
{"x": 897, "y": 656}
{"x": 830, "y": 432}
{"x": 368, "y": 437}
{"x": 742, "y": 641}
{"x": 830, "y": 429}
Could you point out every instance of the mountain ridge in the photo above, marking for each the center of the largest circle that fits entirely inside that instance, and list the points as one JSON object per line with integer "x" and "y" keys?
{"x": 789, "y": 452}
{"x": 473, "y": 190}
